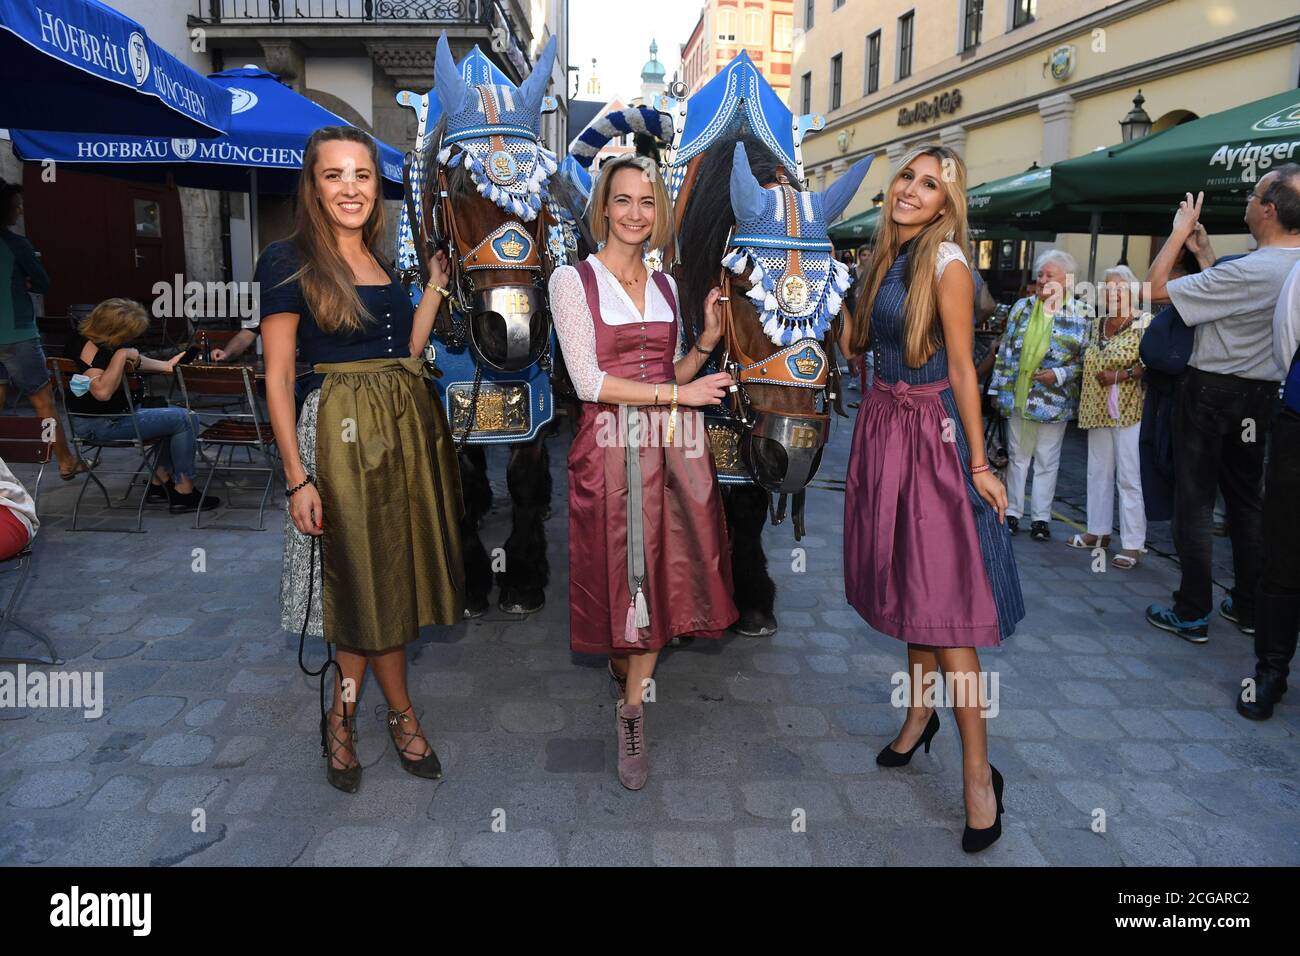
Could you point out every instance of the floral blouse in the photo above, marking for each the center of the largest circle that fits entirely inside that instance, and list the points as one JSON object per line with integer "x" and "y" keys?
{"x": 1120, "y": 352}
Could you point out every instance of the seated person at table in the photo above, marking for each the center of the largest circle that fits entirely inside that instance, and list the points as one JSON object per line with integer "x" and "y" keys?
{"x": 239, "y": 343}
{"x": 18, "y": 522}
{"x": 102, "y": 355}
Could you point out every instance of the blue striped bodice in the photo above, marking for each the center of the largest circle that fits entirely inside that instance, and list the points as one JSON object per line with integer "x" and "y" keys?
{"x": 887, "y": 322}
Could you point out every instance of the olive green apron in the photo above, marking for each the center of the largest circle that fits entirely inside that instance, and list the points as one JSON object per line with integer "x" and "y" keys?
{"x": 390, "y": 495}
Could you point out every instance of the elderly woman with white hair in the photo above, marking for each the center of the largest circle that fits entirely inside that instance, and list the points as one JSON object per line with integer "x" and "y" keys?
{"x": 1036, "y": 381}
{"x": 1110, "y": 408}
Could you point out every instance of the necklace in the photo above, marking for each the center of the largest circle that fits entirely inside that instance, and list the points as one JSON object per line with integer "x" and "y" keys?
{"x": 630, "y": 283}
{"x": 1107, "y": 336}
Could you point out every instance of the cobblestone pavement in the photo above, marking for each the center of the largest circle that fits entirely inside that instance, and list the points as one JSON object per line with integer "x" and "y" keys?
{"x": 206, "y": 709}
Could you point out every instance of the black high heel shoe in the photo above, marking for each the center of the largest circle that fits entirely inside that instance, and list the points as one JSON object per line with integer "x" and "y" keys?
{"x": 972, "y": 841}
{"x": 347, "y": 779}
{"x": 889, "y": 757}
{"x": 427, "y": 766}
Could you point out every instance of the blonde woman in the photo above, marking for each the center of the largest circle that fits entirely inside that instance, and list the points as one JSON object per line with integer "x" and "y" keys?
{"x": 372, "y": 547}
{"x": 1110, "y": 408}
{"x": 104, "y": 355}
{"x": 638, "y": 576}
{"x": 927, "y": 557}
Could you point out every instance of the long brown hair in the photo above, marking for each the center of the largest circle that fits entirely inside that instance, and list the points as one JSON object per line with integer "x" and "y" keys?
{"x": 923, "y": 332}
{"x": 325, "y": 277}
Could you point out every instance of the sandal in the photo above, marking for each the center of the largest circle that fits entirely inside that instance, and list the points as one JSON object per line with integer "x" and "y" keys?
{"x": 1080, "y": 541}
{"x": 1124, "y": 561}
{"x": 334, "y": 746}
{"x": 80, "y": 468}
{"x": 427, "y": 765}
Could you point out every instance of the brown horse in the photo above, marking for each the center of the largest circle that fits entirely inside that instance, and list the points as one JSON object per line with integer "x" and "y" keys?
{"x": 780, "y": 411}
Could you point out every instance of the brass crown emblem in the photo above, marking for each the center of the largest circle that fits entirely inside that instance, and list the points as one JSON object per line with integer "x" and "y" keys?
{"x": 512, "y": 248}
{"x": 806, "y": 362}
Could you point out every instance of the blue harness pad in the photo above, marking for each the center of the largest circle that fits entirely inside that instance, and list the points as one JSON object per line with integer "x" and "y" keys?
{"x": 512, "y": 406}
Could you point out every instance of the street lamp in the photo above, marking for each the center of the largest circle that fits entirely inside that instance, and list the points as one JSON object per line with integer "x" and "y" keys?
{"x": 1134, "y": 126}
{"x": 878, "y": 199}
{"x": 1137, "y": 123}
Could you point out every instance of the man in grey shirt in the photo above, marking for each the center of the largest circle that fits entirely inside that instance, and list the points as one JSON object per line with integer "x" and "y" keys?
{"x": 1226, "y": 399}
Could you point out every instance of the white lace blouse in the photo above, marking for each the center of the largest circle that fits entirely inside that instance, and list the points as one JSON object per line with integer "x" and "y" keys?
{"x": 576, "y": 328}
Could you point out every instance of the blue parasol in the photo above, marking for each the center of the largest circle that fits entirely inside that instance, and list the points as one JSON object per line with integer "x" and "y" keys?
{"x": 79, "y": 64}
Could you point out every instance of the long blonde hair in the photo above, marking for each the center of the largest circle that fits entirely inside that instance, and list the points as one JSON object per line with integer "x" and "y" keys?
{"x": 923, "y": 332}
{"x": 114, "y": 322}
{"x": 325, "y": 277}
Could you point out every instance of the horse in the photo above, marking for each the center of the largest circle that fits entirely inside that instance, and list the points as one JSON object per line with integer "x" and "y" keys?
{"x": 778, "y": 342}
{"x": 477, "y": 187}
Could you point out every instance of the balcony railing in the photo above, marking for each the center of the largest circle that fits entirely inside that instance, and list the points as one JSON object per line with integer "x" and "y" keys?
{"x": 489, "y": 14}
{"x": 382, "y": 11}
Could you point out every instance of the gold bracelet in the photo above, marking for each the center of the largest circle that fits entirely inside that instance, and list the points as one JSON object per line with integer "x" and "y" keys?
{"x": 438, "y": 289}
{"x": 672, "y": 416}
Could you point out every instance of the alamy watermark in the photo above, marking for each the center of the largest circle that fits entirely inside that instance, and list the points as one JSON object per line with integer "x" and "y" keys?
{"x": 964, "y": 689}
{"x": 631, "y": 427}
{"x": 213, "y": 300}
{"x": 74, "y": 690}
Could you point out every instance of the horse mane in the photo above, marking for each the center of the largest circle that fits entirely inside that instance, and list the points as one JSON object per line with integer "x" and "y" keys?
{"x": 708, "y": 219}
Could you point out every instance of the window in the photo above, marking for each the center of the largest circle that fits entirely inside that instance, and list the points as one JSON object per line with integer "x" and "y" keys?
{"x": 1022, "y": 12}
{"x": 905, "y": 25}
{"x": 873, "y": 62}
{"x": 972, "y": 25}
{"x": 805, "y": 95}
{"x": 726, "y": 26}
{"x": 836, "y": 4}
{"x": 837, "y": 73}
{"x": 754, "y": 28}
{"x": 782, "y": 32}
{"x": 808, "y": 7}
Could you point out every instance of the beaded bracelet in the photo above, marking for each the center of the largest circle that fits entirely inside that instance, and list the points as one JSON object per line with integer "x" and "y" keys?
{"x": 980, "y": 468}
{"x": 290, "y": 492}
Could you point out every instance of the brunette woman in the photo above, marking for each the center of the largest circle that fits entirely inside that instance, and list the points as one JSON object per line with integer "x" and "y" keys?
{"x": 648, "y": 556}
{"x": 927, "y": 556}
{"x": 372, "y": 549}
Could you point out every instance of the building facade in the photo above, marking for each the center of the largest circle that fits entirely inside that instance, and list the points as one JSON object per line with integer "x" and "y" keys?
{"x": 1009, "y": 83}
{"x": 350, "y": 56}
{"x": 764, "y": 28}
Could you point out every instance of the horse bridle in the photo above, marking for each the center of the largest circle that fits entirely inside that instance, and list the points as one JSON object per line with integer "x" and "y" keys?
{"x": 514, "y": 304}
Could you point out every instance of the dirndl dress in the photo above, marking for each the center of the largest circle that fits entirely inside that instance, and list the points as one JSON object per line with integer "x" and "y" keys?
{"x": 925, "y": 558}
{"x": 389, "y": 561}
{"x": 686, "y": 583}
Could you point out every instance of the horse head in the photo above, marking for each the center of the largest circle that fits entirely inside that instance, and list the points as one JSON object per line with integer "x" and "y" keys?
{"x": 782, "y": 291}
{"x": 485, "y": 200}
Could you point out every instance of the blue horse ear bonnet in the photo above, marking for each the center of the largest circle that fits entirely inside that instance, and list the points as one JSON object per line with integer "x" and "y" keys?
{"x": 798, "y": 284}
{"x": 498, "y": 129}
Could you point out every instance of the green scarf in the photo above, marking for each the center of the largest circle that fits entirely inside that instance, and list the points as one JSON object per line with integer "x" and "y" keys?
{"x": 1037, "y": 337}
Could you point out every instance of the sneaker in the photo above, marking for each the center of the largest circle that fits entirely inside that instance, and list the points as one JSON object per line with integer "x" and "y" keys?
{"x": 1198, "y": 631}
{"x": 190, "y": 502}
{"x": 1229, "y": 613}
{"x": 1039, "y": 531}
{"x": 1013, "y": 523}
{"x": 160, "y": 493}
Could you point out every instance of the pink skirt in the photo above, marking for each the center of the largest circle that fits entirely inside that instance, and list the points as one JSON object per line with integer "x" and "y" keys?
{"x": 687, "y": 553}
{"x": 913, "y": 567}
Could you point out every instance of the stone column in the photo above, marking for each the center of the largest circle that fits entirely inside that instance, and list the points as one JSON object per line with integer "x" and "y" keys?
{"x": 1057, "y": 112}
{"x": 285, "y": 58}
{"x": 954, "y": 137}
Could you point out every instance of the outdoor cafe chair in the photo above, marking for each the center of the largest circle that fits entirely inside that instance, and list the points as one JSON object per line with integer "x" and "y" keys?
{"x": 245, "y": 428}
{"x": 26, "y": 440}
{"x": 147, "y": 449}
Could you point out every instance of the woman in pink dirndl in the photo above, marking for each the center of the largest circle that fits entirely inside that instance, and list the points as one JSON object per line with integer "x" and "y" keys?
{"x": 927, "y": 554}
{"x": 649, "y": 558}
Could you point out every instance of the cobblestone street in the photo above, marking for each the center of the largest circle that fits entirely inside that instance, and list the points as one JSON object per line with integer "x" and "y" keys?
{"x": 206, "y": 708}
